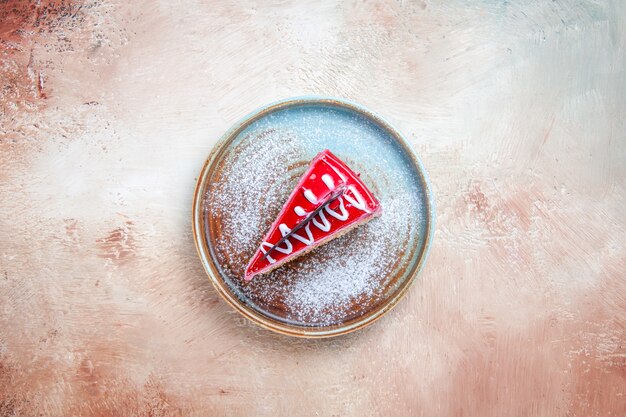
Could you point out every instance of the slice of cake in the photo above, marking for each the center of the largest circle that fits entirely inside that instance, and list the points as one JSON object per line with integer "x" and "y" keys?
{"x": 329, "y": 200}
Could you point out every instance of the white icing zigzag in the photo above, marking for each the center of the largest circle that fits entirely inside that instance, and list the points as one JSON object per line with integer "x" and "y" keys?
{"x": 324, "y": 225}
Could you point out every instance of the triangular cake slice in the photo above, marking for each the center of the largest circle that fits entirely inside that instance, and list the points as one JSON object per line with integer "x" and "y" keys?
{"x": 329, "y": 200}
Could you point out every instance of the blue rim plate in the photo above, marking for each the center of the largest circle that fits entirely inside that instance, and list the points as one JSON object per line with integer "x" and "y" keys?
{"x": 339, "y": 287}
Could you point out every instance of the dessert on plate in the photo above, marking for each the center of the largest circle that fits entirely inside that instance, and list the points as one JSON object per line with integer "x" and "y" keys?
{"x": 329, "y": 200}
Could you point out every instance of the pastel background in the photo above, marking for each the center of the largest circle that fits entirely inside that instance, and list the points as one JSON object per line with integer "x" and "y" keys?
{"x": 109, "y": 108}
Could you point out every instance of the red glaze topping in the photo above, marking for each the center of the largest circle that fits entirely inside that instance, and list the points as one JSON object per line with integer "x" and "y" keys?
{"x": 325, "y": 174}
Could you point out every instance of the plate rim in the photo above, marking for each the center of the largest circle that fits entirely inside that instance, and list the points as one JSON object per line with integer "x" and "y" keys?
{"x": 205, "y": 253}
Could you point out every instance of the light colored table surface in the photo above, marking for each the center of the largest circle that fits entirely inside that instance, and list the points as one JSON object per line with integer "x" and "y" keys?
{"x": 109, "y": 110}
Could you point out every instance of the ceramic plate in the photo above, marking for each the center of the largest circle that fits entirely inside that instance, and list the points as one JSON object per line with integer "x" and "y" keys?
{"x": 338, "y": 287}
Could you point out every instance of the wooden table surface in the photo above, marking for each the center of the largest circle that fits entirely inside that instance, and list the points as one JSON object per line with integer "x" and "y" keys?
{"x": 109, "y": 108}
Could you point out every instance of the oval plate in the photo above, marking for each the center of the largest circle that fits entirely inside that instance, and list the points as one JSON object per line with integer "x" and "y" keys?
{"x": 352, "y": 280}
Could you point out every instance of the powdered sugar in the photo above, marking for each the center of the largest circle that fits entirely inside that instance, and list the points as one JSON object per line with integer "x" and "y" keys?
{"x": 246, "y": 191}
{"x": 336, "y": 282}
